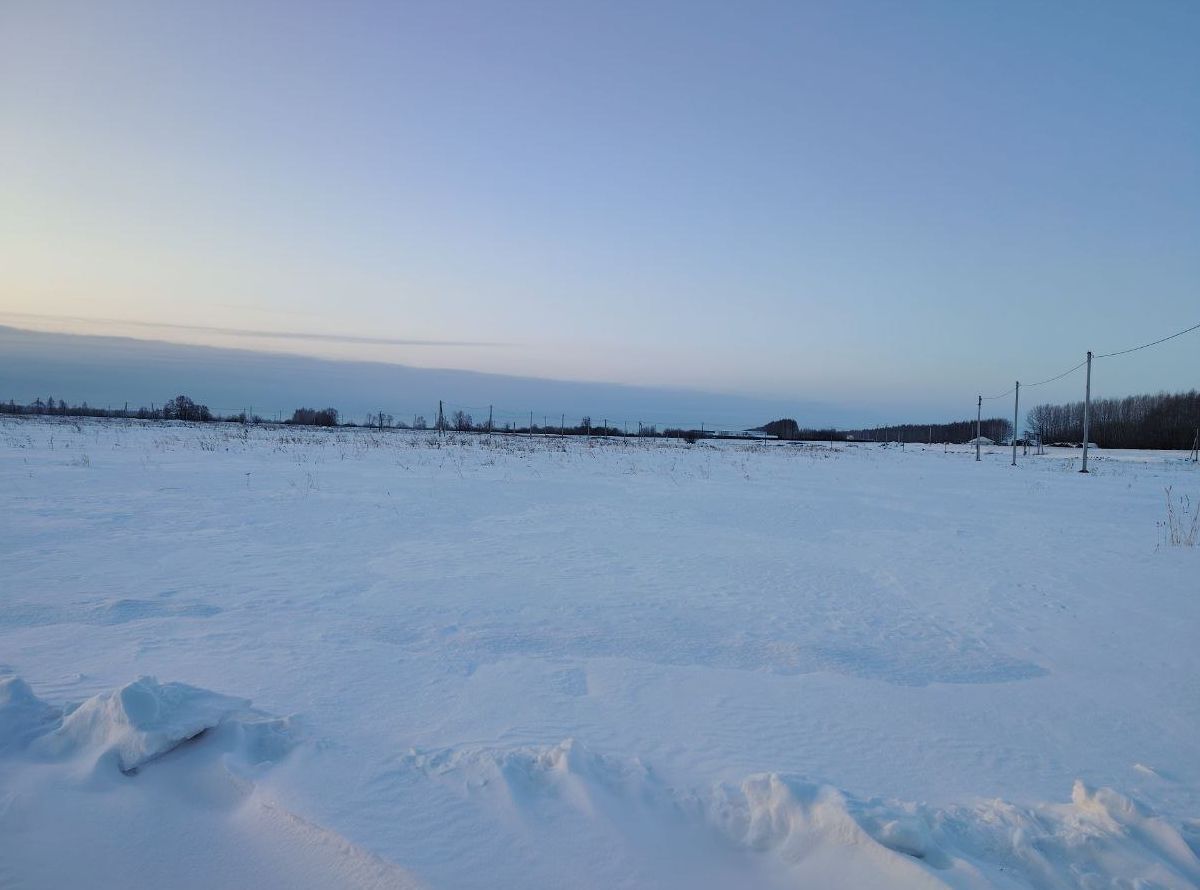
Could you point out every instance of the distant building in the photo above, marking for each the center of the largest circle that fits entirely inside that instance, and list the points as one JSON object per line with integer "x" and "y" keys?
{"x": 741, "y": 434}
{"x": 981, "y": 440}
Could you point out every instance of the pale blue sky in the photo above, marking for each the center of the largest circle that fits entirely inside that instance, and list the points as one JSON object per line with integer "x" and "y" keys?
{"x": 883, "y": 205}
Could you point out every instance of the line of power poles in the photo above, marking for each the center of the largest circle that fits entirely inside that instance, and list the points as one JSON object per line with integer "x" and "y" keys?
{"x": 1087, "y": 409}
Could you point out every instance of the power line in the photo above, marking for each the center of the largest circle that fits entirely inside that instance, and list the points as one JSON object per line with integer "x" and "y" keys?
{"x": 1060, "y": 376}
{"x": 1148, "y": 345}
{"x": 1105, "y": 355}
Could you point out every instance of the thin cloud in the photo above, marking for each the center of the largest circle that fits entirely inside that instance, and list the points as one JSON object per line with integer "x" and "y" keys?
{"x": 245, "y": 332}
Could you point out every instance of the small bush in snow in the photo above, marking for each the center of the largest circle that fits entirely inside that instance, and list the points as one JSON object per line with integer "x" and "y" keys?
{"x": 1181, "y": 532}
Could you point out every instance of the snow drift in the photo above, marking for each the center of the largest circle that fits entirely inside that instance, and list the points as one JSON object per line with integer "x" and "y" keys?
{"x": 802, "y": 833}
{"x": 180, "y": 765}
{"x": 139, "y": 722}
{"x": 156, "y": 784}
{"x": 896, "y": 625}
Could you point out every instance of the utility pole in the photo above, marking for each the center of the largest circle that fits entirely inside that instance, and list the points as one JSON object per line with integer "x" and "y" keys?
{"x": 1087, "y": 407}
{"x": 531, "y": 424}
{"x": 1016, "y": 403}
{"x": 562, "y": 426}
{"x": 441, "y": 420}
{"x": 978, "y": 414}
{"x": 489, "y": 418}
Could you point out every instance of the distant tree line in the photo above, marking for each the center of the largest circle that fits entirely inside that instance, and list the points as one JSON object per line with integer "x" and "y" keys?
{"x": 789, "y": 429}
{"x": 314, "y": 417}
{"x": 178, "y": 408}
{"x": 1164, "y": 420}
{"x": 185, "y": 408}
{"x": 995, "y": 428}
{"x": 784, "y": 428}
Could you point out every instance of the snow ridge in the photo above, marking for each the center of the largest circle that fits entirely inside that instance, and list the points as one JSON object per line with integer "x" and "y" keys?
{"x": 138, "y": 722}
{"x": 815, "y": 832}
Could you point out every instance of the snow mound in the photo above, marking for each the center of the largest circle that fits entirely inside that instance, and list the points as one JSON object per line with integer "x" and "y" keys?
{"x": 190, "y": 816}
{"x": 138, "y": 722}
{"x": 526, "y": 776}
{"x": 23, "y": 716}
{"x": 1100, "y": 839}
{"x": 534, "y": 767}
{"x": 815, "y": 832}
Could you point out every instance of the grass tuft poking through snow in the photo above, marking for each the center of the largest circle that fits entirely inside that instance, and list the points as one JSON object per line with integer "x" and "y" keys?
{"x": 1180, "y": 531}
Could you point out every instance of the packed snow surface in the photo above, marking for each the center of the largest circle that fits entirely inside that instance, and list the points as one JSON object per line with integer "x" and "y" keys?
{"x": 273, "y": 657}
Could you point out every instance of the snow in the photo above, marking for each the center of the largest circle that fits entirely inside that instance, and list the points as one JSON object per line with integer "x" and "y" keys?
{"x": 138, "y": 722}
{"x": 389, "y": 660}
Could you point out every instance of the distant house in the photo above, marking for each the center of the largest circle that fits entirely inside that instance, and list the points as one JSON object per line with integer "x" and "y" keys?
{"x": 981, "y": 440}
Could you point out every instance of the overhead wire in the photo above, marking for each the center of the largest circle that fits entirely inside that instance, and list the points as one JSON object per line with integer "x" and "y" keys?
{"x": 1059, "y": 377}
{"x": 1148, "y": 345}
{"x": 1105, "y": 355}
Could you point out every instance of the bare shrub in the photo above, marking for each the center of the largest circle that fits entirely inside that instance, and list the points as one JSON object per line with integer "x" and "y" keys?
{"x": 1181, "y": 532}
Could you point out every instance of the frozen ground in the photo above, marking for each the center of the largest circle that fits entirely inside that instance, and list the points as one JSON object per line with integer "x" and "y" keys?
{"x": 381, "y": 660}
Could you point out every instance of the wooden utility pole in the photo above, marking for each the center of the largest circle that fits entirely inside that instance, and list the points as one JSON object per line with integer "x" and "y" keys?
{"x": 1016, "y": 404}
{"x": 978, "y": 416}
{"x": 1087, "y": 407}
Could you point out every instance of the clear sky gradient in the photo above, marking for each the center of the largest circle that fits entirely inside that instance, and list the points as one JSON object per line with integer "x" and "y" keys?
{"x": 889, "y": 205}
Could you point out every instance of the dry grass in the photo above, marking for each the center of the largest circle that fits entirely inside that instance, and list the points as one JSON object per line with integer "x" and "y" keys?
{"x": 1181, "y": 532}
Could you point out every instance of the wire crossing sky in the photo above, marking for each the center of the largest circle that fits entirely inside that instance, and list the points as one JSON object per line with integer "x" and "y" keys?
{"x": 1073, "y": 369}
{"x": 885, "y": 206}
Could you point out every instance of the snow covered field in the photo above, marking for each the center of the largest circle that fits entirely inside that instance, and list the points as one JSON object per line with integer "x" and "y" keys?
{"x": 482, "y": 663}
